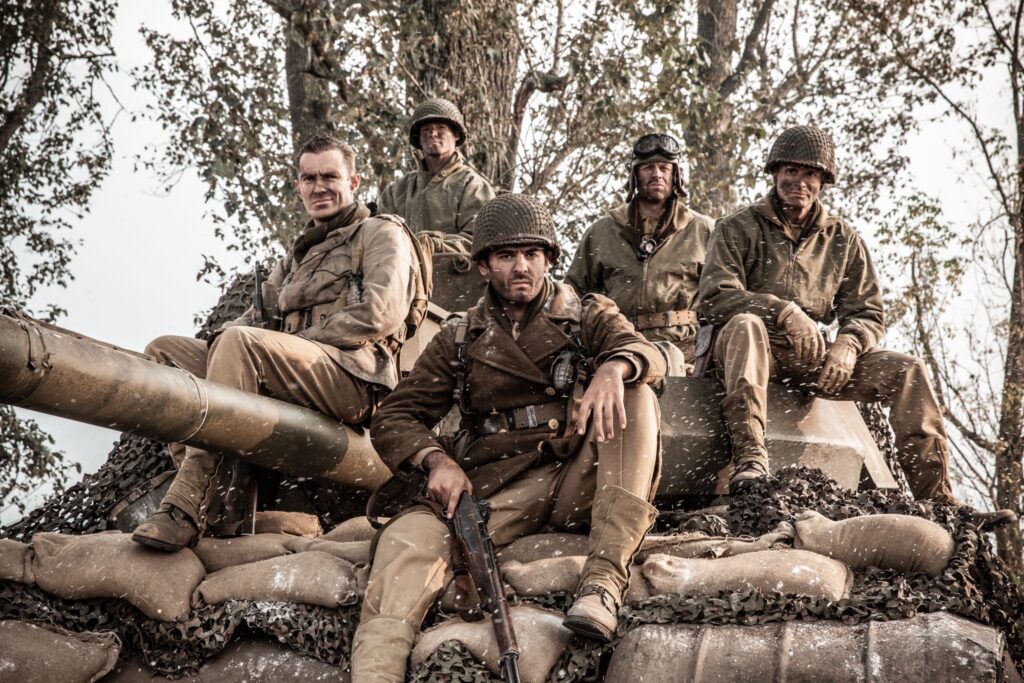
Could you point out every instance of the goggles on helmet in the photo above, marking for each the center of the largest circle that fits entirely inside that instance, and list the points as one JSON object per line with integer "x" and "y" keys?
{"x": 654, "y": 144}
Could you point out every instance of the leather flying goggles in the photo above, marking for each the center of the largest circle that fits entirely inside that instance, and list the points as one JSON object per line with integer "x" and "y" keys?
{"x": 656, "y": 144}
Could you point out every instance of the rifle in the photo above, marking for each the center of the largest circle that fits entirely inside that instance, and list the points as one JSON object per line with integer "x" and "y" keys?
{"x": 470, "y": 526}
{"x": 259, "y": 317}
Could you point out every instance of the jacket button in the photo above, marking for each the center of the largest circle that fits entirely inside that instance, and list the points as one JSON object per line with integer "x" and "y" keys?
{"x": 552, "y": 424}
{"x": 550, "y": 391}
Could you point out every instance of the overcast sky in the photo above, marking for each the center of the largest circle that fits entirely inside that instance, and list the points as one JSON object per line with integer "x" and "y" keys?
{"x": 135, "y": 267}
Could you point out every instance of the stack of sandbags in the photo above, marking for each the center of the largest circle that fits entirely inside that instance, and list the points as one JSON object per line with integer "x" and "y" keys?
{"x": 219, "y": 553}
{"x": 540, "y": 634}
{"x": 30, "y": 653}
{"x": 248, "y": 660}
{"x": 901, "y": 542}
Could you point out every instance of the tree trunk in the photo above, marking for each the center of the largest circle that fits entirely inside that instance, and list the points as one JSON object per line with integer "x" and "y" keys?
{"x": 309, "y": 98}
{"x": 709, "y": 137}
{"x": 471, "y": 58}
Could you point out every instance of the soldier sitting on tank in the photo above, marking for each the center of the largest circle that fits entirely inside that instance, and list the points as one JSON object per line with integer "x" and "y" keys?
{"x": 646, "y": 255}
{"x": 331, "y": 342}
{"x": 439, "y": 200}
{"x": 510, "y": 365}
{"x": 775, "y": 271}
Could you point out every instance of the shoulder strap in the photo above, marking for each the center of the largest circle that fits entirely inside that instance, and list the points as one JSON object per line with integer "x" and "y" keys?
{"x": 460, "y": 394}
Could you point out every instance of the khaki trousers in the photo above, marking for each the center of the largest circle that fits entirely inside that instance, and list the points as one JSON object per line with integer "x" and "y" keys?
{"x": 411, "y": 566}
{"x": 259, "y": 361}
{"x": 747, "y": 358}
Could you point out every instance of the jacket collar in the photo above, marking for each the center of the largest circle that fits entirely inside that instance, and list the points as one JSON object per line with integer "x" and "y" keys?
{"x": 454, "y": 164}
{"x": 622, "y": 215}
{"x": 314, "y": 234}
{"x": 765, "y": 207}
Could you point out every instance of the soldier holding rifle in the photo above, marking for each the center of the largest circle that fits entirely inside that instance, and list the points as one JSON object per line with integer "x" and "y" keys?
{"x": 559, "y": 425}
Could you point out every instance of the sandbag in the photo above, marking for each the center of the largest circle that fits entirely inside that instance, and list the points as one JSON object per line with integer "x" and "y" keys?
{"x": 694, "y": 544}
{"x": 313, "y": 578}
{"x": 287, "y": 522}
{"x": 15, "y": 561}
{"x": 545, "y": 576}
{"x": 355, "y": 529}
{"x": 540, "y": 633}
{"x": 542, "y": 546}
{"x": 901, "y": 542}
{"x": 244, "y": 660}
{"x": 111, "y": 565}
{"x": 786, "y": 571}
{"x": 34, "y": 654}
{"x": 220, "y": 553}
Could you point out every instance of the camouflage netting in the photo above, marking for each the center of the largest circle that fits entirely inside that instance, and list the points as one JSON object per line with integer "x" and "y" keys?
{"x": 975, "y": 584}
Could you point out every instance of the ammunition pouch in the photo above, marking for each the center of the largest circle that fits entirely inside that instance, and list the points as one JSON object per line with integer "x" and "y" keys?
{"x": 704, "y": 353}
{"x": 296, "y": 321}
{"x": 551, "y": 415}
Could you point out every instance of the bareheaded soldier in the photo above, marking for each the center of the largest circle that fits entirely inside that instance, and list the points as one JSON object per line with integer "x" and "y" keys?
{"x": 334, "y": 328}
{"x": 646, "y": 255}
{"x": 442, "y": 197}
{"x": 775, "y": 271}
{"x": 509, "y": 361}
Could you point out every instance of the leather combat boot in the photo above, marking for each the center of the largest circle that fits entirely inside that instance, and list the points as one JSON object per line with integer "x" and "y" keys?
{"x": 619, "y": 522}
{"x": 169, "y": 529}
{"x": 743, "y": 411}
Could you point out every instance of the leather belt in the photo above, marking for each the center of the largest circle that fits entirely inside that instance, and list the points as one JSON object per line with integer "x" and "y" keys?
{"x": 550, "y": 415}
{"x": 647, "y": 321}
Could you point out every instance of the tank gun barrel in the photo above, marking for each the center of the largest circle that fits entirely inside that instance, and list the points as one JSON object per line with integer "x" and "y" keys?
{"x": 58, "y": 372}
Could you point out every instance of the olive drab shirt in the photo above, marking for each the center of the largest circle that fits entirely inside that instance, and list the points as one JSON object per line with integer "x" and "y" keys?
{"x": 443, "y": 202}
{"x": 502, "y": 374}
{"x": 313, "y": 293}
{"x": 754, "y": 267}
{"x": 607, "y": 262}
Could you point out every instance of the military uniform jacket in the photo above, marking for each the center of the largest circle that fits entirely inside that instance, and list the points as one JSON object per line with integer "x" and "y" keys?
{"x": 310, "y": 292}
{"x": 607, "y": 262}
{"x": 502, "y": 374}
{"x": 754, "y": 267}
{"x": 445, "y": 202}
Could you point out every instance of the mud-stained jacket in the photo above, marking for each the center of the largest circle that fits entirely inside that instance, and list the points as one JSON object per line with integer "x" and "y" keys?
{"x": 607, "y": 262}
{"x": 503, "y": 374}
{"x": 310, "y": 292}
{"x": 444, "y": 202}
{"x": 754, "y": 267}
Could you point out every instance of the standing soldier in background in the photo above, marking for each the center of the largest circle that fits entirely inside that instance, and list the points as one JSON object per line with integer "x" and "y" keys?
{"x": 440, "y": 200}
{"x": 513, "y": 366}
{"x": 775, "y": 271}
{"x": 646, "y": 255}
{"x": 337, "y": 306}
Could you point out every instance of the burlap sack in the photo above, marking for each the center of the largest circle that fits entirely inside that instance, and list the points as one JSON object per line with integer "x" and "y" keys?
{"x": 540, "y": 633}
{"x": 901, "y": 542}
{"x": 220, "y": 553}
{"x": 15, "y": 561}
{"x": 543, "y": 577}
{"x": 355, "y": 529}
{"x": 313, "y": 578}
{"x": 697, "y": 545}
{"x": 34, "y": 654}
{"x": 786, "y": 571}
{"x": 542, "y": 546}
{"x": 247, "y": 659}
{"x": 111, "y": 565}
{"x": 291, "y": 523}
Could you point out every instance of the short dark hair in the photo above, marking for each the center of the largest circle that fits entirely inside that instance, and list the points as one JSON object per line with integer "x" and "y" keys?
{"x": 323, "y": 143}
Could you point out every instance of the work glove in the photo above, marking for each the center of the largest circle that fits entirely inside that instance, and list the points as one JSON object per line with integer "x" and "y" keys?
{"x": 803, "y": 333}
{"x": 839, "y": 364}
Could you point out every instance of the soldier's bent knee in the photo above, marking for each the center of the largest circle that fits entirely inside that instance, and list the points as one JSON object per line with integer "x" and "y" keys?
{"x": 745, "y": 322}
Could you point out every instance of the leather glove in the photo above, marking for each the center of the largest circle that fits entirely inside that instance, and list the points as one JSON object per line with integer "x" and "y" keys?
{"x": 839, "y": 364}
{"x": 803, "y": 333}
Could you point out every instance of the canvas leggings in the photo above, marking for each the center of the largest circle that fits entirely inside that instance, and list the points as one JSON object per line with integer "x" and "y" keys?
{"x": 259, "y": 361}
{"x": 412, "y": 562}
{"x": 747, "y": 357}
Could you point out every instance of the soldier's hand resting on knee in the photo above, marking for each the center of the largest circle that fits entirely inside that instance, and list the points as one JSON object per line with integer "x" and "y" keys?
{"x": 839, "y": 364}
{"x": 604, "y": 400}
{"x": 803, "y": 333}
{"x": 446, "y": 481}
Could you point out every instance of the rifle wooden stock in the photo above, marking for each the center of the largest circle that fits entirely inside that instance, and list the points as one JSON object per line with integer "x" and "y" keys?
{"x": 470, "y": 525}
